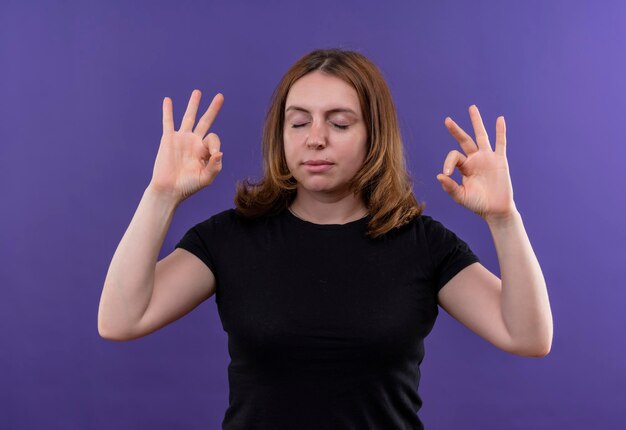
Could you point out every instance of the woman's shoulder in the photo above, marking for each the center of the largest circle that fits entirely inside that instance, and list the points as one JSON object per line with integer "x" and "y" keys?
{"x": 434, "y": 226}
{"x": 425, "y": 227}
{"x": 421, "y": 222}
{"x": 427, "y": 221}
{"x": 222, "y": 217}
{"x": 231, "y": 218}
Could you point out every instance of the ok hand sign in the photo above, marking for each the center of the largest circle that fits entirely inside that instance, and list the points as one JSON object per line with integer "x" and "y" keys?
{"x": 486, "y": 188}
{"x": 187, "y": 161}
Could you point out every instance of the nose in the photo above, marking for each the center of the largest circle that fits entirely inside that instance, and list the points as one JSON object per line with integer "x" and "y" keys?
{"x": 317, "y": 136}
{"x": 315, "y": 144}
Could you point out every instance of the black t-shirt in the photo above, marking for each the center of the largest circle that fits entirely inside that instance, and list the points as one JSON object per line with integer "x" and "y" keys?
{"x": 325, "y": 325}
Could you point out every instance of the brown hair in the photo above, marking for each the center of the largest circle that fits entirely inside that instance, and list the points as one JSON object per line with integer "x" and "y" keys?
{"x": 382, "y": 182}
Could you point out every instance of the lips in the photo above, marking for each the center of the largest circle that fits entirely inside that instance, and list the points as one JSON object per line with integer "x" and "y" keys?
{"x": 317, "y": 166}
{"x": 317, "y": 163}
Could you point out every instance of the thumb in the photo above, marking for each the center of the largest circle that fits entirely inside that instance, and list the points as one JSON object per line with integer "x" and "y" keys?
{"x": 212, "y": 143}
{"x": 212, "y": 168}
{"x": 450, "y": 186}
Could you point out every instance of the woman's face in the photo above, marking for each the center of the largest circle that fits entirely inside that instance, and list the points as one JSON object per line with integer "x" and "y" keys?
{"x": 324, "y": 136}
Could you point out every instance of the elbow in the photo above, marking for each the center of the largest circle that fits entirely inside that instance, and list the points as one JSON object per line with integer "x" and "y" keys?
{"x": 538, "y": 349}
{"x": 105, "y": 334}
{"x": 114, "y": 336}
{"x": 109, "y": 333}
{"x": 543, "y": 344}
{"x": 546, "y": 348}
{"x": 537, "y": 344}
{"x": 111, "y": 327}
{"x": 540, "y": 352}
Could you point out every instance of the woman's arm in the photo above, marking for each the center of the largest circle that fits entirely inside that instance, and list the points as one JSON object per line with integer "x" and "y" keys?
{"x": 139, "y": 295}
{"x": 513, "y": 313}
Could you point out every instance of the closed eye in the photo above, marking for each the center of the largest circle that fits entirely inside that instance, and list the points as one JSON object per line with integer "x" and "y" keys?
{"x": 339, "y": 126}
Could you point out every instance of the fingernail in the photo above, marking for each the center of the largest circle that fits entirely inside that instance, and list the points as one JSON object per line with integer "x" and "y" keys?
{"x": 447, "y": 171}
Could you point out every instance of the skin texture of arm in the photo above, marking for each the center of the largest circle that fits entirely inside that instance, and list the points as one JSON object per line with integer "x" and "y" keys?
{"x": 512, "y": 313}
{"x": 140, "y": 295}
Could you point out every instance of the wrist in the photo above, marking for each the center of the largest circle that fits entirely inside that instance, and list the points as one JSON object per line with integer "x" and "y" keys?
{"x": 503, "y": 220}
{"x": 161, "y": 197}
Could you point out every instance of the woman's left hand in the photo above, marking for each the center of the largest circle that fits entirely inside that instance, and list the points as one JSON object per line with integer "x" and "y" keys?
{"x": 486, "y": 188}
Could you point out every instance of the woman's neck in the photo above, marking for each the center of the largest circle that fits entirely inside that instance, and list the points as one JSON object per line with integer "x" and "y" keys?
{"x": 320, "y": 208}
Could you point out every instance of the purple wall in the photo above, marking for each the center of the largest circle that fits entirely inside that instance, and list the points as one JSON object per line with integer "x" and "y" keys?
{"x": 80, "y": 122}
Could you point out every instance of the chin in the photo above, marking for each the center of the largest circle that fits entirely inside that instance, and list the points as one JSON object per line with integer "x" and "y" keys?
{"x": 317, "y": 186}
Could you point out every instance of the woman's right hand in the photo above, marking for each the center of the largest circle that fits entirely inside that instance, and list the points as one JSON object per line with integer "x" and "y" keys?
{"x": 187, "y": 161}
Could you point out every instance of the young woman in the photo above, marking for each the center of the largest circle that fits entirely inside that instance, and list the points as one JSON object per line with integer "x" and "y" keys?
{"x": 327, "y": 275}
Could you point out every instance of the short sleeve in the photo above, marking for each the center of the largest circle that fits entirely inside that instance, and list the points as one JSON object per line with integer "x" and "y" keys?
{"x": 448, "y": 253}
{"x": 196, "y": 239}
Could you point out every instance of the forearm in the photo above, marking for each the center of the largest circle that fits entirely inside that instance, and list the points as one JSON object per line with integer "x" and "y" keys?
{"x": 524, "y": 299}
{"x": 128, "y": 285}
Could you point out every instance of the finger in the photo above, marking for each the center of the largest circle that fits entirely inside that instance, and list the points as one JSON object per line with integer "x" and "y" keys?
{"x": 190, "y": 114}
{"x": 482, "y": 139}
{"x": 461, "y": 136}
{"x": 450, "y": 186}
{"x": 204, "y": 124}
{"x": 213, "y": 167}
{"x": 500, "y": 136}
{"x": 168, "y": 116}
{"x": 454, "y": 158}
{"x": 212, "y": 143}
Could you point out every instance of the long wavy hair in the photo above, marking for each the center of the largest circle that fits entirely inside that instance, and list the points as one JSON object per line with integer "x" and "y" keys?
{"x": 382, "y": 182}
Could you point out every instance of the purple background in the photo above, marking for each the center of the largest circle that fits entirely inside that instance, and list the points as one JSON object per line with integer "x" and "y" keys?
{"x": 80, "y": 122}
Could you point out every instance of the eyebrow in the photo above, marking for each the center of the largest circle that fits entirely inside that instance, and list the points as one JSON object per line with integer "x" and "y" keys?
{"x": 301, "y": 109}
